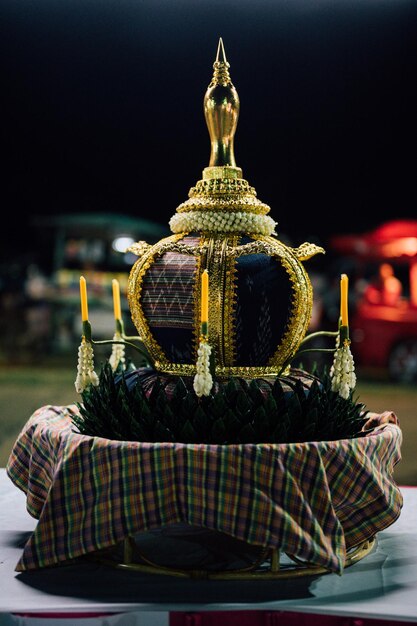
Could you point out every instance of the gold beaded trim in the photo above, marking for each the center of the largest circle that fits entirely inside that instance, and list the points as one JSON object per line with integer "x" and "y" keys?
{"x": 225, "y": 203}
{"x": 221, "y": 186}
{"x": 222, "y": 372}
{"x": 229, "y": 306}
{"x": 222, "y": 297}
{"x": 226, "y": 193}
{"x": 213, "y": 247}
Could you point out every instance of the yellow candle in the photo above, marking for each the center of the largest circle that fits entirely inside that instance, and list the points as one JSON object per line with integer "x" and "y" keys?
{"x": 204, "y": 297}
{"x": 344, "y": 281}
{"x": 84, "y": 304}
{"x": 116, "y": 299}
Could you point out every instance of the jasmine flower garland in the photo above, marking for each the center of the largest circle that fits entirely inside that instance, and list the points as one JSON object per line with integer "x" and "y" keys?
{"x": 222, "y": 221}
{"x": 118, "y": 353}
{"x": 85, "y": 369}
{"x": 203, "y": 380}
{"x": 342, "y": 371}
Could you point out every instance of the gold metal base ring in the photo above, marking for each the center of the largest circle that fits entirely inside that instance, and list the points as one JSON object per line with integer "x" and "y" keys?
{"x": 271, "y": 565}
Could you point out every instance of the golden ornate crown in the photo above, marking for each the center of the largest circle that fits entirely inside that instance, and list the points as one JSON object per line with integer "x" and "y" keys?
{"x": 260, "y": 296}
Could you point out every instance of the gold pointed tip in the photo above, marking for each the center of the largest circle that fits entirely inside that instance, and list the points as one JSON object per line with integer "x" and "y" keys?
{"x": 221, "y": 55}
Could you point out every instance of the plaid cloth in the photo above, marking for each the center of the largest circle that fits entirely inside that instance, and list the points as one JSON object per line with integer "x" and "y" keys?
{"x": 313, "y": 500}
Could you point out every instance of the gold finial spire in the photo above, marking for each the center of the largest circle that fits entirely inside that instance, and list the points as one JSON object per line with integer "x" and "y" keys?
{"x": 221, "y": 110}
{"x": 221, "y": 55}
{"x": 221, "y": 74}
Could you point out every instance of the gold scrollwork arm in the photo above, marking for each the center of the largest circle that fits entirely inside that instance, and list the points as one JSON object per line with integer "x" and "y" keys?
{"x": 139, "y": 248}
{"x": 307, "y": 250}
{"x": 254, "y": 247}
{"x": 181, "y": 248}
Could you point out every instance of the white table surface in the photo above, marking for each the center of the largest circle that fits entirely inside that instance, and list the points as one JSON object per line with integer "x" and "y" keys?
{"x": 382, "y": 586}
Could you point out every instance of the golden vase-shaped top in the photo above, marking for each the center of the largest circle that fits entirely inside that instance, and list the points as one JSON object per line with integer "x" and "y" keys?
{"x": 221, "y": 110}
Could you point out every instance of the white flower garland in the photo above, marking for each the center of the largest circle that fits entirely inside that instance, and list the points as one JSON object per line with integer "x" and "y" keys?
{"x": 85, "y": 369}
{"x": 117, "y": 353}
{"x": 203, "y": 380}
{"x": 222, "y": 221}
{"x": 342, "y": 371}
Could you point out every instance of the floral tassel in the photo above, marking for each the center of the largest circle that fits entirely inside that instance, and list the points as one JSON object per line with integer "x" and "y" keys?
{"x": 342, "y": 371}
{"x": 118, "y": 353}
{"x": 85, "y": 370}
{"x": 203, "y": 380}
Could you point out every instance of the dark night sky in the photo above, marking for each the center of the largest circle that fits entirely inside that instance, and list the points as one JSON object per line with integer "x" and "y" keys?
{"x": 102, "y": 108}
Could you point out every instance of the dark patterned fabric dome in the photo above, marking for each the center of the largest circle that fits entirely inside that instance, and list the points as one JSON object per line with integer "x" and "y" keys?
{"x": 259, "y": 306}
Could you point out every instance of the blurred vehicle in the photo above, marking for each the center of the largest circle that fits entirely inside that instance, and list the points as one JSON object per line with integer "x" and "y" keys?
{"x": 40, "y": 287}
{"x": 93, "y": 245}
{"x": 384, "y": 320}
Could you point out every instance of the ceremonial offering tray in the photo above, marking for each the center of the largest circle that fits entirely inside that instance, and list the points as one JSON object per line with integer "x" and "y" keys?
{"x": 315, "y": 501}
{"x": 216, "y": 457}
